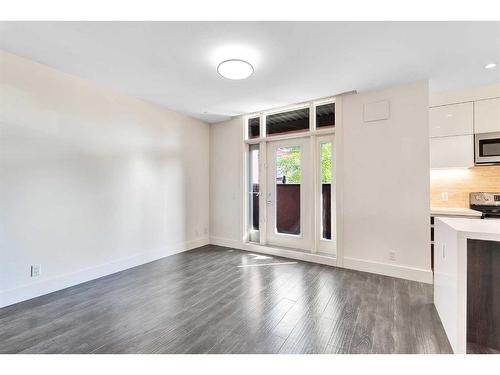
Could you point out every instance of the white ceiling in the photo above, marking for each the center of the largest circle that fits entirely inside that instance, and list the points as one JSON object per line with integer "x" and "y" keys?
{"x": 174, "y": 64}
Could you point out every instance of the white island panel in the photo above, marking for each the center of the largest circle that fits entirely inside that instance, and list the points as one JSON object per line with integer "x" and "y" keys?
{"x": 450, "y": 271}
{"x": 446, "y": 279}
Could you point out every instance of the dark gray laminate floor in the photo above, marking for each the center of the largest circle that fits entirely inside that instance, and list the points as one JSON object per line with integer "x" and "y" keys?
{"x": 218, "y": 300}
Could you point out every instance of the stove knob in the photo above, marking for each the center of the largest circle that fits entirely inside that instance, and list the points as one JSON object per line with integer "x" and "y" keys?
{"x": 477, "y": 197}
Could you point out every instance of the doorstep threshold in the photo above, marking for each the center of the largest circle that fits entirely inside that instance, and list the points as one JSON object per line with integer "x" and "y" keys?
{"x": 297, "y": 254}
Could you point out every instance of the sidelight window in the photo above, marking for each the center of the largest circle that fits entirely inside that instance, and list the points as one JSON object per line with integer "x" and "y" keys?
{"x": 326, "y": 190}
{"x": 254, "y": 193}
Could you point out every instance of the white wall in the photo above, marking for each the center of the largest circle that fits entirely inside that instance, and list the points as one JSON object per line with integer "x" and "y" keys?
{"x": 226, "y": 184}
{"x": 385, "y": 176}
{"x": 91, "y": 182}
{"x": 386, "y": 184}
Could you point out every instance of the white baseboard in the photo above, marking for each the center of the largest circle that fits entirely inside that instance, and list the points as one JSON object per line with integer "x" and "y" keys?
{"x": 387, "y": 269}
{"x": 9, "y": 297}
{"x": 226, "y": 242}
{"x": 271, "y": 250}
{"x": 328, "y": 260}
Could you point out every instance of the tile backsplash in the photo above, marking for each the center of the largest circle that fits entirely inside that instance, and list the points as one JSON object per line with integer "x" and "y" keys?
{"x": 451, "y": 187}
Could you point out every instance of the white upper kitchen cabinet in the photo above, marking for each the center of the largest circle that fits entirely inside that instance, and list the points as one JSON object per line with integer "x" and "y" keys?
{"x": 452, "y": 152}
{"x": 453, "y": 119}
{"x": 487, "y": 116}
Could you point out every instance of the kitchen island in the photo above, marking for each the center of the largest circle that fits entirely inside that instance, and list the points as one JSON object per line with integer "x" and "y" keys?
{"x": 467, "y": 282}
{"x": 455, "y": 211}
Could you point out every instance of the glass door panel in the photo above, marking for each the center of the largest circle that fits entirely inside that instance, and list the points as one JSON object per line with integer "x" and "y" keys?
{"x": 289, "y": 203}
{"x": 287, "y": 177}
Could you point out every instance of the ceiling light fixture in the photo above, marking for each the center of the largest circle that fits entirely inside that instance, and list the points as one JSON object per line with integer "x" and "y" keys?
{"x": 235, "y": 69}
{"x": 490, "y": 66}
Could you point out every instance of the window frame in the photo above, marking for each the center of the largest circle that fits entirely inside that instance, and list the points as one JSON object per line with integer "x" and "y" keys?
{"x": 307, "y": 132}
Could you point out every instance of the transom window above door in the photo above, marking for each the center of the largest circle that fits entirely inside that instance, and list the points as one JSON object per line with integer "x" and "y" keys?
{"x": 254, "y": 128}
{"x": 325, "y": 115}
{"x": 316, "y": 116}
{"x": 288, "y": 122}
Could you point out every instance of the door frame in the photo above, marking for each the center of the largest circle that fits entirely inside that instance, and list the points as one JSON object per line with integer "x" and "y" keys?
{"x": 335, "y": 254}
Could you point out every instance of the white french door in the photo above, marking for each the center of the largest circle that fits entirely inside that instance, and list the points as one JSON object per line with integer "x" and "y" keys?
{"x": 290, "y": 194}
{"x": 291, "y": 179}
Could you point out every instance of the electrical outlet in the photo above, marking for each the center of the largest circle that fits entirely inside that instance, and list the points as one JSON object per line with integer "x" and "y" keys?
{"x": 36, "y": 270}
{"x": 392, "y": 255}
{"x": 444, "y": 196}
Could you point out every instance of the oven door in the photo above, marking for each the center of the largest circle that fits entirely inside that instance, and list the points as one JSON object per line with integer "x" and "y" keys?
{"x": 487, "y": 148}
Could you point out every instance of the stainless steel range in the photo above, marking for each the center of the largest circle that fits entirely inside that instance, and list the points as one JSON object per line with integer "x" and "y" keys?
{"x": 487, "y": 203}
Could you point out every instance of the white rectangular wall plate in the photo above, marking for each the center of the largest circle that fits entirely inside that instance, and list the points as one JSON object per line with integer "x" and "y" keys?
{"x": 376, "y": 111}
{"x": 36, "y": 270}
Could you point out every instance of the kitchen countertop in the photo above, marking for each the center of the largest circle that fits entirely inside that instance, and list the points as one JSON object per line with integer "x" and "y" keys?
{"x": 454, "y": 211}
{"x": 488, "y": 229}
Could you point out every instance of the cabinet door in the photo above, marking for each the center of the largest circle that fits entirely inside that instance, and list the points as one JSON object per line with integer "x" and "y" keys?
{"x": 454, "y": 119}
{"x": 452, "y": 152}
{"x": 487, "y": 116}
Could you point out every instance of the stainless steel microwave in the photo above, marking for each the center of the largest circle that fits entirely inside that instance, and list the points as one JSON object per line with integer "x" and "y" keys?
{"x": 487, "y": 148}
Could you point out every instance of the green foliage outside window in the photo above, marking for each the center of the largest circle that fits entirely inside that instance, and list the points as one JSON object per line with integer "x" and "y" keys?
{"x": 288, "y": 162}
{"x": 326, "y": 163}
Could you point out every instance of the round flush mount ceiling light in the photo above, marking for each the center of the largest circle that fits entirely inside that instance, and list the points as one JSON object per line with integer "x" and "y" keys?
{"x": 490, "y": 66}
{"x": 235, "y": 69}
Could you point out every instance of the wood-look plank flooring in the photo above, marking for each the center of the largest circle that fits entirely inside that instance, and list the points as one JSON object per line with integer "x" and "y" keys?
{"x": 220, "y": 300}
